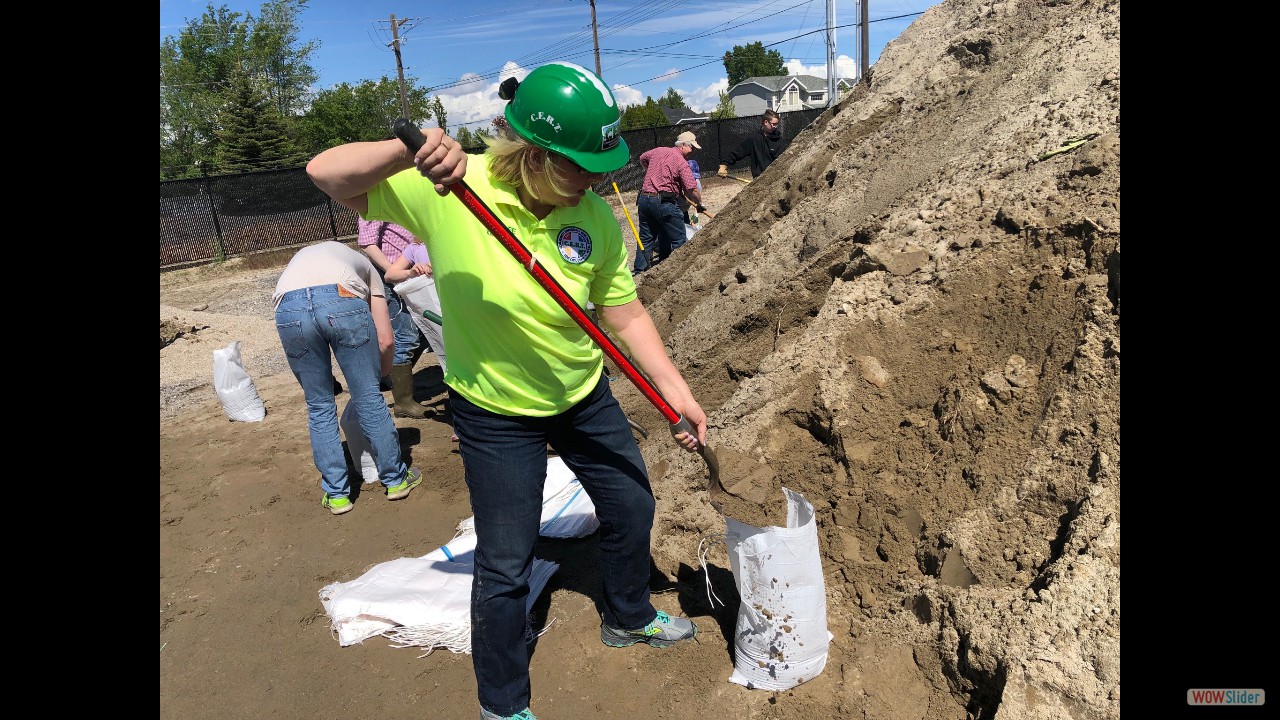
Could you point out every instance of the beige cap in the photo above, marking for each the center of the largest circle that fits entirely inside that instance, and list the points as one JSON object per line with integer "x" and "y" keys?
{"x": 689, "y": 137}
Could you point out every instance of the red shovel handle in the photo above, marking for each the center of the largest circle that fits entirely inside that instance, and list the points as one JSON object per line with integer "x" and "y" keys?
{"x": 412, "y": 137}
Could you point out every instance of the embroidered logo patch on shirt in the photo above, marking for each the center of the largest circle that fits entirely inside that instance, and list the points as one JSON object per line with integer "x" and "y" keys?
{"x": 574, "y": 244}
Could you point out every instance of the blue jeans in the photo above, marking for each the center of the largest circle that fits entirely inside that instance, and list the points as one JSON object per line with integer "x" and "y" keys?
{"x": 504, "y": 460}
{"x": 312, "y": 322}
{"x": 410, "y": 344}
{"x": 408, "y": 337}
{"x": 661, "y": 224}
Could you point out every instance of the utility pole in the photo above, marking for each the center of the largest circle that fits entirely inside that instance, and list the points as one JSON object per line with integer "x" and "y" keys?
{"x": 831, "y": 53}
{"x": 595, "y": 37}
{"x": 395, "y": 45}
{"x": 865, "y": 54}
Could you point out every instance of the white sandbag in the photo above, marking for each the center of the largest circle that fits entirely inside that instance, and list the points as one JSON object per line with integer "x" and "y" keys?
{"x": 426, "y": 602}
{"x": 357, "y": 444}
{"x": 418, "y": 294}
{"x": 567, "y": 510}
{"x": 781, "y": 638}
{"x": 417, "y": 602}
{"x": 236, "y": 391}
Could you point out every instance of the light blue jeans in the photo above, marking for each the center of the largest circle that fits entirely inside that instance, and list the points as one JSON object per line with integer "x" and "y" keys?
{"x": 312, "y": 322}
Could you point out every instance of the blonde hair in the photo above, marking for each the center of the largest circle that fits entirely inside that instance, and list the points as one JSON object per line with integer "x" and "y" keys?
{"x": 511, "y": 162}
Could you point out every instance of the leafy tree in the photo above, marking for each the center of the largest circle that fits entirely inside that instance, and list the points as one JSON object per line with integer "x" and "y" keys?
{"x": 643, "y": 116}
{"x": 274, "y": 44}
{"x": 251, "y": 132}
{"x": 745, "y": 61}
{"x": 198, "y": 64}
{"x": 725, "y": 109}
{"x": 436, "y": 106}
{"x": 364, "y": 112}
{"x": 672, "y": 100}
{"x": 193, "y": 67}
{"x": 482, "y": 134}
{"x": 463, "y": 136}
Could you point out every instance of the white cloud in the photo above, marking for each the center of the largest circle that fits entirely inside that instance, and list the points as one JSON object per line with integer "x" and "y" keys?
{"x": 846, "y": 67}
{"x": 667, "y": 76}
{"x": 705, "y": 99}
{"x": 627, "y": 95}
{"x": 701, "y": 100}
{"x": 474, "y": 102}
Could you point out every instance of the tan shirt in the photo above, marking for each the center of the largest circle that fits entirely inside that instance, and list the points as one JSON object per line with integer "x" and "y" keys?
{"x": 330, "y": 263}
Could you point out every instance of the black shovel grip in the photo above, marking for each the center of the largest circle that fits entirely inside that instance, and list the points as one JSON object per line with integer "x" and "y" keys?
{"x": 409, "y": 134}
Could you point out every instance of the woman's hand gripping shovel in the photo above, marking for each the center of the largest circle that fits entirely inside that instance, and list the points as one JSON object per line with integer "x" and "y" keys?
{"x": 412, "y": 137}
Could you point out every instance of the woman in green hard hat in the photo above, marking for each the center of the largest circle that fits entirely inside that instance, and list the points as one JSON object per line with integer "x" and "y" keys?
{"x": 522, "y": 374}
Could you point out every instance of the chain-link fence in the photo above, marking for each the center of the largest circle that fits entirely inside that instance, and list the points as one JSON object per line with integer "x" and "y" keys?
{"x": 213, "y": 218}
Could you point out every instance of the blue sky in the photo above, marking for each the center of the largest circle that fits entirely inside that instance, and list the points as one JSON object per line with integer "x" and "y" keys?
{"x": 463, "y": 50}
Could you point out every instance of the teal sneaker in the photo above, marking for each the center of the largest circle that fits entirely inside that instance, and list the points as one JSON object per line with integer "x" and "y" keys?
{"x": 522, "y": 715}
{"x": 664, "y": 631}
{"x": 412, "y": 479}
{"x": 337, "y": 504}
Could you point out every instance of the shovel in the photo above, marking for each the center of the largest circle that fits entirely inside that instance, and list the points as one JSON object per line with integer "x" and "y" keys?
{"x": 411, "y": 136}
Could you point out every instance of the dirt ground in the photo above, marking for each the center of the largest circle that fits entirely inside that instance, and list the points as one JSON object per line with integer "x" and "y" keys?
{"x": 912, "y": 318}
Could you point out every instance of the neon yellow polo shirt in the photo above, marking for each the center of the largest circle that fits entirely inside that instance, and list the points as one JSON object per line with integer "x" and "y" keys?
{"x": 512, "y": 350}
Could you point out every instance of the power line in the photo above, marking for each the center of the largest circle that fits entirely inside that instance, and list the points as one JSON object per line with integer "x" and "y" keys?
{"x": 565, "y": 48}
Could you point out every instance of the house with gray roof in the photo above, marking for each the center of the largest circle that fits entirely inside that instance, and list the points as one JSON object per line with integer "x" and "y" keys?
{"x": 782, "y": 93}
{"x": 679, "y": 116}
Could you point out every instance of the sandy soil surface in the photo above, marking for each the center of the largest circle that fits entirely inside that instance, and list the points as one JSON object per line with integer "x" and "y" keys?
{"x": 912, "y": 318}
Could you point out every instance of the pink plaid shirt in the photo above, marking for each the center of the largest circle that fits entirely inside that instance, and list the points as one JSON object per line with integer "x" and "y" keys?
{"x": 390, "y": 238}
{"x": 666, "y": 171}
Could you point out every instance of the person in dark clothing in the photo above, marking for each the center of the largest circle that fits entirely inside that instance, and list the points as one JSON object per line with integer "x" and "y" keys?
{"x": 762, "y": 148}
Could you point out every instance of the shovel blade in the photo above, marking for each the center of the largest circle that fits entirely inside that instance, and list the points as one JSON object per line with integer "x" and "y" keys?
{"x": 746, "y": 494}
{"x": 715, "y": 491}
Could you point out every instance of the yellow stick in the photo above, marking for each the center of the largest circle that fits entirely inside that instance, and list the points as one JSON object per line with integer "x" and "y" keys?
{"x": 624, "y": 212}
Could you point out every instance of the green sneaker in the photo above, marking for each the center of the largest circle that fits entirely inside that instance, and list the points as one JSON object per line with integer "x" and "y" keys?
{"x": 337, "y": 504}
{"x": 411, "y": 480}
{"x": 664, "y": 631}
{"x": 522, "y": 715}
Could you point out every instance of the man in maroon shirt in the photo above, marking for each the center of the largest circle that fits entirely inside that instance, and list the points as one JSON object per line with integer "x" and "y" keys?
{"x": 667, "y": 177}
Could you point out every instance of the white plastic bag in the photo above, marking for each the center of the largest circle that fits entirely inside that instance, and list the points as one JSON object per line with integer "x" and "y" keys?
{"x": 235, "y": 388}
{"x": 358, "y": 445}
{"x": 419, "y": 293}
{"x": 781, "y": 638}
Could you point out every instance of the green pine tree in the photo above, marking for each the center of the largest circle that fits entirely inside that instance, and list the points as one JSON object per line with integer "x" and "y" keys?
{"x": 251, "y": 133}
{"x": 672, "y": 100}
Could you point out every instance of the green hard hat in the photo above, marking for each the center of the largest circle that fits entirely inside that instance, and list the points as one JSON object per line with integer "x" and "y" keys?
{"x": 567, "y": 109}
